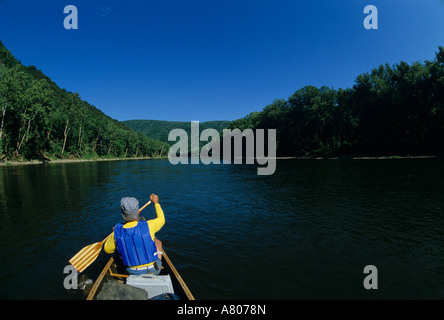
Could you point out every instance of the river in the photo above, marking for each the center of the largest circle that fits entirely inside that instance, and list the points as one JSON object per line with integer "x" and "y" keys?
{"x": 305, "y": 232}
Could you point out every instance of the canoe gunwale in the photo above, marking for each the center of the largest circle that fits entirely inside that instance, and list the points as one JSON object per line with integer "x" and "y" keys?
{"x": 107, "y": 270}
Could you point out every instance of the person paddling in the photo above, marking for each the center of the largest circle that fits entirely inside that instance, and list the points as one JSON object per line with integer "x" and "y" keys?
{"x": 135, "y": 240}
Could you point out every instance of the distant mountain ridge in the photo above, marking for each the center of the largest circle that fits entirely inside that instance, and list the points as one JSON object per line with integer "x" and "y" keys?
{"x": 159, "y": 129}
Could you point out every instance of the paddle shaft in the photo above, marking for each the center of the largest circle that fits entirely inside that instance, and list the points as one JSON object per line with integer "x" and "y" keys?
{"x": 146, "y": 205}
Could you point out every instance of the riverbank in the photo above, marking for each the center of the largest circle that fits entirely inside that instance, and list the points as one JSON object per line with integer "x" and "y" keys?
{"x": 357, "y": 157}
{"x": 344, "y": 157}
{"x": 73, "y": 160}
{"x": 353, "y": 157}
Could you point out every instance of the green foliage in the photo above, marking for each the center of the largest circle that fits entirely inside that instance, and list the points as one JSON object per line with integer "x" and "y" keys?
{"x": 40, "y": 120}
{"x": 158, "y": 129}
{"x": 395, "y": 109}
{"x": 391, "y": 110}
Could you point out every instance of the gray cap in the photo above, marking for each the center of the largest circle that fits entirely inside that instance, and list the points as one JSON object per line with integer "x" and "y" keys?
{"x": 130, "y": 208}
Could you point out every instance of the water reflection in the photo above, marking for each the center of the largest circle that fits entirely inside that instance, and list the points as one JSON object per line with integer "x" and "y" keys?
{"x": 305, "y": 232}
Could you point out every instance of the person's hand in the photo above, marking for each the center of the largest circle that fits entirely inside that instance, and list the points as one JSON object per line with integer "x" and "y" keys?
{"x": 154, "y": 198}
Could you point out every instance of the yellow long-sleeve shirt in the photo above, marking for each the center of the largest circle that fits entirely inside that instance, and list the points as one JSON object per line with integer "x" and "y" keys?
{"x": 154, "y": 225}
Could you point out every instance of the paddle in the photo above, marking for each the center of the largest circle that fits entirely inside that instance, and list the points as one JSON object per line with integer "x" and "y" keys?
{"x": 89, "y": 254}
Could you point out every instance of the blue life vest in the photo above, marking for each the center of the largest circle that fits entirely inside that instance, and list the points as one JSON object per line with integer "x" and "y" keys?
{"x": 135, "y": 244}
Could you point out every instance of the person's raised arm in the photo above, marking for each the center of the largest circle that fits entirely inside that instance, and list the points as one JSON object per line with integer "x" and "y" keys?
{"x": 156, "y": 224}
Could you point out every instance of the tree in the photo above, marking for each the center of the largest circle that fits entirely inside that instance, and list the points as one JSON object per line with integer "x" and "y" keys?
{"x": 391, "y": 109}
{"x": 35, "y": 101}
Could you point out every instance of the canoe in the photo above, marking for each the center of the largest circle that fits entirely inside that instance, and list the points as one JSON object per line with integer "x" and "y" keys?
{"x": 110, "y": 273}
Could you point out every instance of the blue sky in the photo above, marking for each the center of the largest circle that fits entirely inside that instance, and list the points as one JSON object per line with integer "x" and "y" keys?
{"x": 203, "y": 60}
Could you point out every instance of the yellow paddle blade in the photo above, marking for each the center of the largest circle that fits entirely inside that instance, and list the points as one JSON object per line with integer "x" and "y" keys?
{"x": 87, "y": 255}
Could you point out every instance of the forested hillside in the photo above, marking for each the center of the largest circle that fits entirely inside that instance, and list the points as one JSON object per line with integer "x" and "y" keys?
{"x": 395, "y": 109}
{"x": 158, "y": 129}
{"x": 39, "y": 120}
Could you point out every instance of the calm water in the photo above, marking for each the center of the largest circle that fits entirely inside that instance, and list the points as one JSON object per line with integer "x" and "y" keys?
{"x": 306, "y": 232}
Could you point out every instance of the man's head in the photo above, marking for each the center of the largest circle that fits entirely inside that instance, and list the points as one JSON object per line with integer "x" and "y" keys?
{"x": 130, "y": 208}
